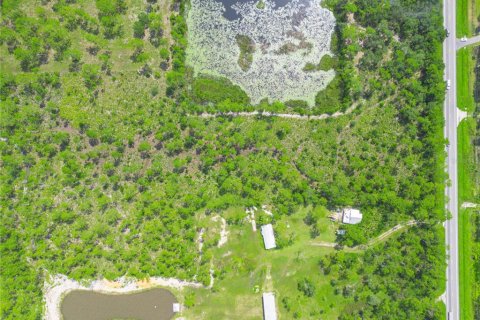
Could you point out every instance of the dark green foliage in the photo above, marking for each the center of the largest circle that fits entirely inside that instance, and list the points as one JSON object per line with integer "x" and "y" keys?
{"x": 216, "y": 90}
{"x": 391, "y": 277}
{"x": 108, "y": 13}
{"x": 329, "y": 99}
{"x": 247, "y": 48}
{"x": 326, "y": 63}
{"x": 30, "y": 39}
{"x": 91, "y": 76}
{"x": 306, "y": 287}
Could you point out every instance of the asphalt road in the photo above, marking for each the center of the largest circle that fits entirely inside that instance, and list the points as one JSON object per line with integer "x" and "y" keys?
{"x": 451, "y": 191}
{"x": 473, "y": 40}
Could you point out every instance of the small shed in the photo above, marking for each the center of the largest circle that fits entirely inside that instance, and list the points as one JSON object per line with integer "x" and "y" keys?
{"x": 269, "y": 310}
{"x": 351, "y": 216}
{"x": 176, "y": 307}
{"x": 268, "y": 236}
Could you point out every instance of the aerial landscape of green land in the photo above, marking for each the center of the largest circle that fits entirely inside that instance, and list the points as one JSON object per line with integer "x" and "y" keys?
{"x": 122, "y": 163}
{"x": 468, "y": 100}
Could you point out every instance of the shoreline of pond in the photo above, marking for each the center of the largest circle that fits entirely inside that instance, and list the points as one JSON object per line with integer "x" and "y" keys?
{"x": 149, "y": 304}
{"x": 59, "y": 286}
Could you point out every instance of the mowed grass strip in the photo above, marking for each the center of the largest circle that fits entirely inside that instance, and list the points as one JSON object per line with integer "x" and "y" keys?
{"x": 466, "y": 163}
{"x": 466, "y": 168}
{"x": 466, "y": 17}
{"x": 466, "y": 265}
{"x": 465, "y": 80}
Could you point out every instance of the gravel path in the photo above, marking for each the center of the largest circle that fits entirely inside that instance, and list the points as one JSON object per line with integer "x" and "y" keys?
{"x": 383, "y": 236}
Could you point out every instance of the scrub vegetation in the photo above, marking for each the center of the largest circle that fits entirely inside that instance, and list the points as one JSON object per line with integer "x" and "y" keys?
{"x": 108, "y": 172}
{"x": 247, "y": 48}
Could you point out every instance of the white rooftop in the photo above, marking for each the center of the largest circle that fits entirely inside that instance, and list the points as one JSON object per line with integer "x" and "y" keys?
{"x": 351, "y": 216}
{"x": 269, "y": 311}
{"x": 268, "y": 237}
{"x": 176, "y": 307}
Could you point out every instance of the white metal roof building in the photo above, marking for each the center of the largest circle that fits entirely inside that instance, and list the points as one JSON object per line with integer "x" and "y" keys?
{"x": 269, "y": 310}
{"x": 268, "y": 237}
{"x": 351, "y": 216}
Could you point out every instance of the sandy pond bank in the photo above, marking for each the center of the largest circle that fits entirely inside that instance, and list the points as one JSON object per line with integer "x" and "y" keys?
{"x": 58, "y": 286}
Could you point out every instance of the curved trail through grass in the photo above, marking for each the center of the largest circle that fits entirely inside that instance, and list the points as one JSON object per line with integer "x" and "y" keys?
{"x": 372, "y": 242}
{"x": 273, "y": 114}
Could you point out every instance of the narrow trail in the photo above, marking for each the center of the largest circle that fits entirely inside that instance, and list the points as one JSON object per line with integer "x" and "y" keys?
{"x": 372, "y": 242}
{"x": 272, "y": 114}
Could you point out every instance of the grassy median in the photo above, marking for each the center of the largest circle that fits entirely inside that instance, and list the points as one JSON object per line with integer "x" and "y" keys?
{"x": 467, "y": 12}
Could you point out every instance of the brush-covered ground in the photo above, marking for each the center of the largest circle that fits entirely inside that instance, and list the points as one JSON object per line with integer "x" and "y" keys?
{"x": 108, "y": 172}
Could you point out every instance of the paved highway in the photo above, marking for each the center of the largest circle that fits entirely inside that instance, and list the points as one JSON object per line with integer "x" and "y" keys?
{"x": 451, "y": 191}
{"x": 473, "y": 40}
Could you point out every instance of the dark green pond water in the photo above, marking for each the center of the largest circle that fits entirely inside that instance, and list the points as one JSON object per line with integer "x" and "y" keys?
{"x": 231, "y": 14}
{"x": 154, "y": 304}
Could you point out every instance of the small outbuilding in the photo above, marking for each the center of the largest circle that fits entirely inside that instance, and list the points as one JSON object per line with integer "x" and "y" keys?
{"x": 269, "y": 309}
{"x": 268, "y": 237}
{"x": 351, "y": 216}
{"x": 176, "y": 307}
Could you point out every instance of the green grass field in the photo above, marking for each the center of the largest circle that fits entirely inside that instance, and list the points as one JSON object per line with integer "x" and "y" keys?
{"x": 467, "y": 12}
{"x": 466, "y": 168}
{"x": 466, "y": 265}
{"x": 465, "y": 79}
{"x": 252, "y": 270}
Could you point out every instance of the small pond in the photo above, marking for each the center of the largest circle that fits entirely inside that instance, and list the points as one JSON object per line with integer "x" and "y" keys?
{"x": 153, "y": 304}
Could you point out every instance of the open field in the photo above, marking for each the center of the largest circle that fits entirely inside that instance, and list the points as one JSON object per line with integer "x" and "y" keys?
{"x": 466, "y": 264}
{"x": 244, "y": 269}
{"x": 465, "y": 79}
{"x": 467, "y": 13}
{"x": 467, "y": 224}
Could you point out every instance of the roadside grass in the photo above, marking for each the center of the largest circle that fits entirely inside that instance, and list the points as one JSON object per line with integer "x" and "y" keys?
{"x": 466, "y": 164}
{"x": 465, "y": 79}
{"x": 466, "y": 17}
{"x": 466, "y": 183}
{"x": 466, "y": 265}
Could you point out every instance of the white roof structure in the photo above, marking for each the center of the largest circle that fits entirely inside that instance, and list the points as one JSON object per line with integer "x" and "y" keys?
{"x": 269, "y": 310}
{"x": 351, "y": 216}
{"x": 176, "y": 307}
{"x": 268, "y": 237}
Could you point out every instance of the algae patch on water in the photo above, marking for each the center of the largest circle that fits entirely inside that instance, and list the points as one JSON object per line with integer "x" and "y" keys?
{"x": 264, "y": 50}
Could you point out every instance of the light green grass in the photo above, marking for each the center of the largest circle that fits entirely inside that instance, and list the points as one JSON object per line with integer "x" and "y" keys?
{"x": 466, "y": 164}
{"x": 244, "y": 270}
{"x": 467, "y": 12}
{"x": 465, "y": 79}
{"x": 466, "y": 265}
{"x": 465, "y": 193}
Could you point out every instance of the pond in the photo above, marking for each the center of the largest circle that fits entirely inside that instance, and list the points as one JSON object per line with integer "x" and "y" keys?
{"x": 264, "y": 46}
{"x": 153, "y": 304}
{"x": 231, "y": 14}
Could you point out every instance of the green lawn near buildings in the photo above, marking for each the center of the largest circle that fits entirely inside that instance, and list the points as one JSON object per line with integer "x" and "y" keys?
{"x": 244, "y": 270}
